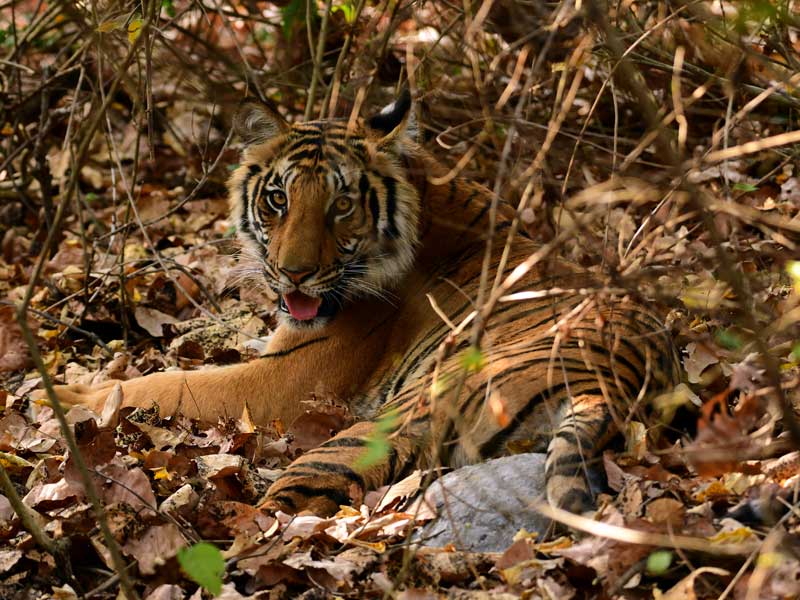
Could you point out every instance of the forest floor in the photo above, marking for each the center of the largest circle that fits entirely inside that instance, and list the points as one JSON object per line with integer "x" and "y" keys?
{"x": 662, "y": 134}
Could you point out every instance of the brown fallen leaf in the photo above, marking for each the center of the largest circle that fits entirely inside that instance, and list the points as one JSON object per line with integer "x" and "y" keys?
{"x": 339, "y": 569}
{"x": 392, "y": 496}
{"x": 666, "y": 511}
{"x": 52, "y": 495}
{"x": 684, "y": 589}
{"x": 9, "y": 559}
{"x": 14, "y": 353}
{"x": 153, "y": 320}
{"x": 158, "y": 544}
{"x": 166, "y": 591}
{"x": 318, "y": 425}
{"x": 128, "y": 486}
{"x": 6, "y": 512}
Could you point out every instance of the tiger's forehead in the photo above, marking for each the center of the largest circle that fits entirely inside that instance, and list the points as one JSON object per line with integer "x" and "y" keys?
{"x": 319, "y": 151}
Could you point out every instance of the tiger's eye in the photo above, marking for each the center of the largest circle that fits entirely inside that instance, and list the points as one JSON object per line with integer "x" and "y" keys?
{"x": 278, "y": 200}
{"x": 342, "y": 204}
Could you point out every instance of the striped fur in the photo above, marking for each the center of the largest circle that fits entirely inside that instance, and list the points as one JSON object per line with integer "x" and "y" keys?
{"x": 561, "y": 371}
{"x": 356, "y": 219}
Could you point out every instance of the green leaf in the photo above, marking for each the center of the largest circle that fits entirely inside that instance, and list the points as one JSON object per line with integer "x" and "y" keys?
{"x": 377, "y": 445}
{"x": 659, "y": 562}
{"x": 203, "y": 564}
{"x": 745, "y": 187}
{"x": 795, "y": 356}
{"x": 168, "y": 7}
{"x": 347, "y": 8}
{"x": 728, "y": 339}
{"x": 472, "y": 359}
{"x": 292, "y": 13}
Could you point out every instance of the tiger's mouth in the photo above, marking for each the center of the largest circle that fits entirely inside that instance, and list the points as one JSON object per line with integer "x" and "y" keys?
{"x": 302, "y": 307}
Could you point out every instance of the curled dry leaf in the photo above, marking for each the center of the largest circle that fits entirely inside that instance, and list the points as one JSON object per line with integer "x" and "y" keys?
{"x": 184, "y": 496}
{"x": 392, "y": 496}
{"x": 109, "y": 417}
{"x": 153, "y": 320}
{"x": 697, "y": 358}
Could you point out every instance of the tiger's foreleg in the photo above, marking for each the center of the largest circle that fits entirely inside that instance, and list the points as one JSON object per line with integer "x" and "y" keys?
{"x": 343, "y": 469}
{"x": 584, "y": 425}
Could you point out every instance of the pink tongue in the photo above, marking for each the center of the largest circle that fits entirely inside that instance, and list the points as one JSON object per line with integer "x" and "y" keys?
{"x": 302, "y": 307}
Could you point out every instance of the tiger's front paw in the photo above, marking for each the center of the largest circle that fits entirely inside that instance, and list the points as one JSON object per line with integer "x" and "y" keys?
{"x": 92, "y": 397}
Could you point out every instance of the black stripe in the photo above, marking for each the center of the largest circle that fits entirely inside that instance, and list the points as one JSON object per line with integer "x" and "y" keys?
{"x": 363, "y": 188}
{"x": 306, "y": 153}
{"x": 373, "y": 208}
{"x": 493, "y": 444}
{"x": 392, "y": 463}
{"x": 344, "y": 442}
{"x": 576, "y": 500}
{"x": 470, "y": 198}
{"x": 335, "y": 468}
{"x": 285, "y": 500}
{"x": 334, "y": 495}
{"x": 566, "y": 463}
{"x": 281, "y": 353}
{"x": 244, "y": 224}
{"x": 338, "y": 146}
{"x": 341, "y": 183}
{"x": 568, "y": 436}
{"x": 480, "y": 215}
{"x": 391, "y": 206}
{"x": 312, "y": 138}
{"x": 298, "y": 473}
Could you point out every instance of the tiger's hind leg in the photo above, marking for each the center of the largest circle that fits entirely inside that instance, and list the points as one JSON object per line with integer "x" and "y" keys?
{"x": 342, "y": 470}
{"x": 584, "y": 426}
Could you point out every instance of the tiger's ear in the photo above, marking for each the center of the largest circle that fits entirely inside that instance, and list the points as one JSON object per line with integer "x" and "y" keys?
{"x": 256, "y": 121}
{"x": 394, "y": 121}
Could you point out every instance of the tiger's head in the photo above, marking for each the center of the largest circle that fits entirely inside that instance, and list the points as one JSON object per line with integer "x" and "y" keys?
{"x": 327, "y": 213}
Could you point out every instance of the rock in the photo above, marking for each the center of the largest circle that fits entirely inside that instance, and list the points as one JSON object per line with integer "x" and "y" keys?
{"x": 482, "y": 506}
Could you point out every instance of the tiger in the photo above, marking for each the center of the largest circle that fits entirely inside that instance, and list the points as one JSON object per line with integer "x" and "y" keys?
{"x": 377, "y": 254}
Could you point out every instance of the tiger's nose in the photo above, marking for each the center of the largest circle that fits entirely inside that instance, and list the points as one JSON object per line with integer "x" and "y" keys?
{"x": 298, "y": 274}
